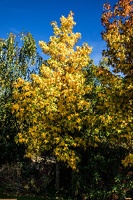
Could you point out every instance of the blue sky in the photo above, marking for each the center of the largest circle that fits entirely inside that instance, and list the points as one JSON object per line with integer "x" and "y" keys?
{"x": 35, "y": 16}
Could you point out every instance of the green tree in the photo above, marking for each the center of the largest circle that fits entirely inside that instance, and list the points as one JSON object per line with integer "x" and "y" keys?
{"x": 17, "y": 55}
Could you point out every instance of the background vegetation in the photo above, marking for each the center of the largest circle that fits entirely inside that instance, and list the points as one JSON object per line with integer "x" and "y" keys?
{"x": 66, "y": 125}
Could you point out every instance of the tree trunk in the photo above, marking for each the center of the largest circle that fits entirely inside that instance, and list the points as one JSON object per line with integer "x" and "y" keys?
{"x": 57, "y": 178}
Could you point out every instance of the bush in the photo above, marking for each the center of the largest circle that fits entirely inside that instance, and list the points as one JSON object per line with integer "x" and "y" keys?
{"x": 26, "y": 177}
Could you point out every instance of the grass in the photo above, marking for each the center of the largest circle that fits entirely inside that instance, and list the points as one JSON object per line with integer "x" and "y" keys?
{"x": 21, "y": 197}
{"x": 26, "y": 197}
{"x": 31, "y": 198}
{"x": 46, "y": 196}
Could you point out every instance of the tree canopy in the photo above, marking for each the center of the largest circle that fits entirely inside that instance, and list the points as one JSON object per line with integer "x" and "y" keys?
{"x": 53, "y": 104}
{"x": 117, "y": 22}
{"x": 68, "y": 108}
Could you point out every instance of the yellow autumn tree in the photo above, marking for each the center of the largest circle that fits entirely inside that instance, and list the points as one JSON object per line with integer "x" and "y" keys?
{"x": 117, "y": 95}
{"x": 52, "y": 107}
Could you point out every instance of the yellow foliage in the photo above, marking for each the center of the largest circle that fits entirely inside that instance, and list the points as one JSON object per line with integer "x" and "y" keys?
{"x": 52, "y": 105}
{"x": 115, "y": 97}
{"x": 128, "y": 160}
